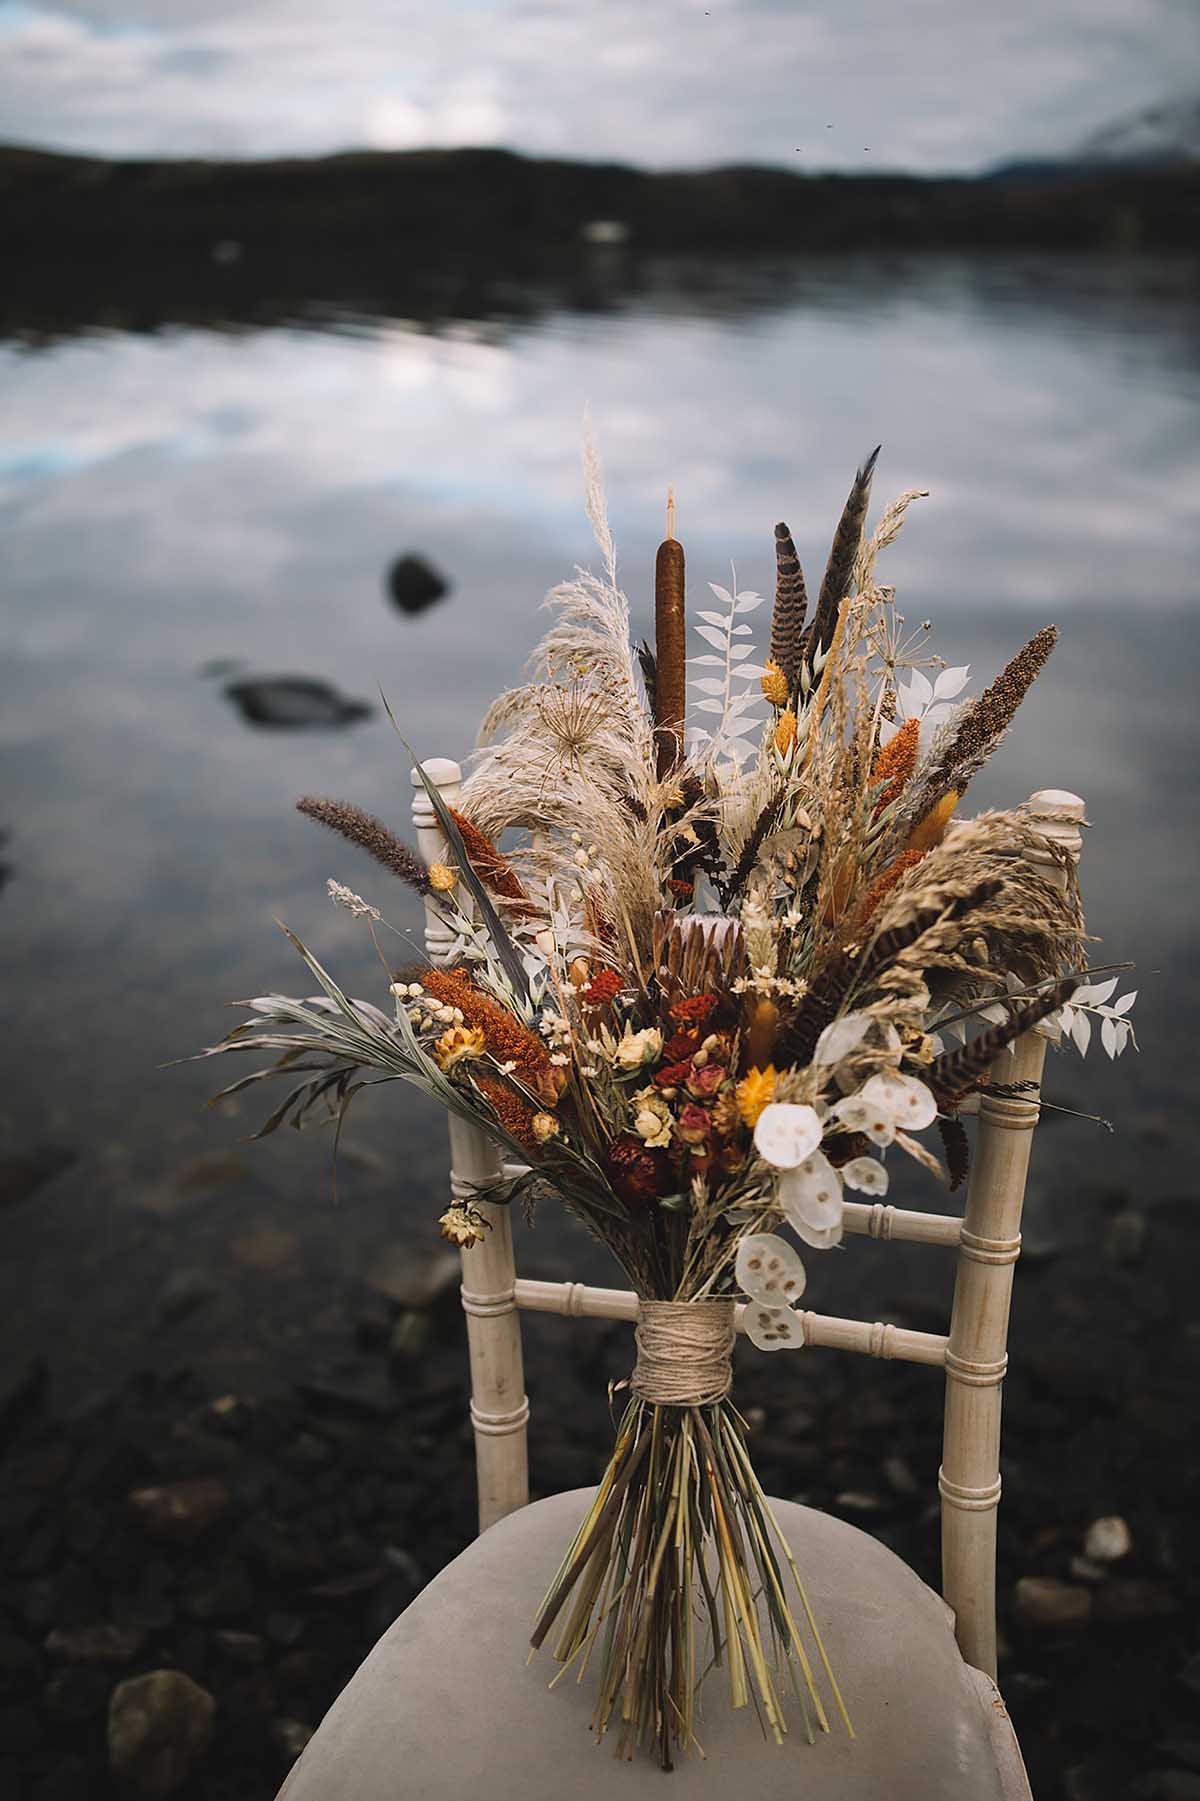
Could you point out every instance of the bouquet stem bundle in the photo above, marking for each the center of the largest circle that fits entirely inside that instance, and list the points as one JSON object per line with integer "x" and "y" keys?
{"x": 680, "y": 1531}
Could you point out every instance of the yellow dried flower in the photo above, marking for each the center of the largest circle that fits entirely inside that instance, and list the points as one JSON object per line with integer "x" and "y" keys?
{"x": 754, "y": 1092}
{"x": 457, "y": 1044}
{"x": 442, "y": 878}
{"x": 463, "y": 1225}
{"x": 785, "y": 734}
{"x": 932, "y": 829}
{"x": 544, "y": 1127}
{"x": 774, "y": 685}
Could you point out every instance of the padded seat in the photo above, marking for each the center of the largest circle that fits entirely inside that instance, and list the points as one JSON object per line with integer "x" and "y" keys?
{"x": 446, "y": 1706}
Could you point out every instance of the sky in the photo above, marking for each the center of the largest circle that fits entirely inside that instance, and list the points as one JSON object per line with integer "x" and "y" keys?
{"x": 925, "y": 85}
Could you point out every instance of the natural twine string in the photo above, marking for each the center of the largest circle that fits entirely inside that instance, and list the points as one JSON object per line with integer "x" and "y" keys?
{"x": 684, "y": 1351}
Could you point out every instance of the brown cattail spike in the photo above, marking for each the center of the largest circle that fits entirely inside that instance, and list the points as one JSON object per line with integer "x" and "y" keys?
{"x": 839, "y": 571}
{"x": 670, "y": 629}
{"x": 371, "y": 835}
{"x": 791, "y": 605}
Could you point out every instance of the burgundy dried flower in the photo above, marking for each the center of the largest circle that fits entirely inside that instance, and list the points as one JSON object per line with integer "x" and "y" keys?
{"x": 638, "y": 1176}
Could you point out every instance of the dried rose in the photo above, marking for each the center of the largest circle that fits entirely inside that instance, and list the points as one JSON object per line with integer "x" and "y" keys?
{"x": 694, "y": 1124}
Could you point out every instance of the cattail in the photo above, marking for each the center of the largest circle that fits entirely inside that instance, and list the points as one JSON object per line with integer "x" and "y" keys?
{"x": 791, "y": 605}
{"x": 896, "y": 762}
{"x": 839, "y": 571}
{"x": 489, "y": 864}
{"x": 371, "y": 835}
{"x": 983, "y": 725}
{"x": 670, "y": 648}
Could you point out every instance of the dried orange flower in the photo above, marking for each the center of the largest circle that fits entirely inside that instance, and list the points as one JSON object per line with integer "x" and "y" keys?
{"x": 883, "y": 885}
{"x": 754, "y": 1092}
{"x": 507, "y": 1039}
{"x": 932, "y": 829}
{"x": 896, "y": 762}
{"x": 775, "y": 685}
{"x": 457, "y": 1044}
{"x": 442, "y": 878}
{"x": 463, "y": 1224}
{"x": 785, "y": 734}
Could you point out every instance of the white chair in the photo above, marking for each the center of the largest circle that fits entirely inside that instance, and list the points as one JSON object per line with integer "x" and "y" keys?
{"x": 447, "y": 1706}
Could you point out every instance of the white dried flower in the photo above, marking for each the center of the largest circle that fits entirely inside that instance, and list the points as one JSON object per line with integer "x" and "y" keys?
{"x": 353, "y": 903}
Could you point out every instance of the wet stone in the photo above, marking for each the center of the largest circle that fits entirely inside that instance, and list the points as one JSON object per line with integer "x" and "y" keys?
{"x": 246, "y": 1648}
{"x": 181, "y": 1510}
{"x": 1125, "y": 1238}
{"x": 77, "y": 1693}
{"x": 105, "y": 1644}
{"x": 1045, "y": 1603}
{"x": 159, "y": 1728}
{"x": 1108, "y": 1539}
{"x": 291, "y": 1736}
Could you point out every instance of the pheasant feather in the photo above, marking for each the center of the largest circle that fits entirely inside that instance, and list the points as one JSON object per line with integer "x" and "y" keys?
{"x": 839, "y": 571}
{"x": 791, "y": 605}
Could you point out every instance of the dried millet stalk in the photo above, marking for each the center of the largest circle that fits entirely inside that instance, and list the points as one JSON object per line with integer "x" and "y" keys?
{"x": 371, "y": 835}
{"x": 983, "y": 725}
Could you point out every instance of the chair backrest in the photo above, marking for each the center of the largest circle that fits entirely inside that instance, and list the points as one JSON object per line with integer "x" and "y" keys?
{"x": 973, "y": 1355}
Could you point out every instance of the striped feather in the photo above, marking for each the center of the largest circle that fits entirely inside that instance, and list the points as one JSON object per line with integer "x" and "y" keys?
{"x": 955, "y": 1072}
{"x": 791, "y": 606}
{"x": 839, "y": 571}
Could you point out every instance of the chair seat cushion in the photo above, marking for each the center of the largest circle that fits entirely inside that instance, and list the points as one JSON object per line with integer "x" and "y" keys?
{"x": 446, "y": 1705}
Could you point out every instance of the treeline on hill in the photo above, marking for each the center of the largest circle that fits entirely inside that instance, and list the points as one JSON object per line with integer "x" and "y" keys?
{"x": 362, "y": 216}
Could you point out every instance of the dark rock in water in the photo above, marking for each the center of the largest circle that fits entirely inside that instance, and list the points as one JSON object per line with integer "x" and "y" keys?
{"x": 291, "y": 1736}
{"x": 1125, "y": 1237}
{"x": 414, "y": 584}
{"x": 183, "y": 1292}
{"x": 181, "y": 1510}
{"x": 22, "y": 1392}
{"x": 246, "y": 1648}
{"x": 23, "y": 1175}
{"x": 1049, "y": 1604}
{"x": 294, "y": 702}
{"x": 20, "y": 1665}
{"x": 96, "y": 1644}
{"x": 159, "y": 1728}
{"x": 76, "y": 1694}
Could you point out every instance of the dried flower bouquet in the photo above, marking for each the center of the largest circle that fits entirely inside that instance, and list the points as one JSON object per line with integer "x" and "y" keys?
{"x": 721, "y": 972}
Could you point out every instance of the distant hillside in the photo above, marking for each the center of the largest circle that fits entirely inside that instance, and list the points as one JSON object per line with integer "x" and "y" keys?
{"x": 1157, "y": 136}
{"x": 431, "y": 232}
{"x": 445, "y": 205}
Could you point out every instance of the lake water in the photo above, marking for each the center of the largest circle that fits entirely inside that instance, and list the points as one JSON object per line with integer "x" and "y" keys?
{"x": 189, "y": 508}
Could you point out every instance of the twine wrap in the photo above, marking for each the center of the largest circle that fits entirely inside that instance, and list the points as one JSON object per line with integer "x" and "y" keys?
{"x": 684, "y": 1352}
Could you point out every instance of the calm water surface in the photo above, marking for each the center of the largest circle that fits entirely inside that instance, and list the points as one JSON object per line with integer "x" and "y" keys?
{"x": 187, "y": 509}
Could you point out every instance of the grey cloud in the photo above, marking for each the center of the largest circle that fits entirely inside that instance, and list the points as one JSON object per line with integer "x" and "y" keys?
{"x": 934, "y": 84}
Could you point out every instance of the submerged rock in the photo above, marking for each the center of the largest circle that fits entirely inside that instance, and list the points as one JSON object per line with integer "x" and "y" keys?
{"x": 159, "y": 1728}
{"x": 294, "y": 701}
{"x": 181, "y": 1510}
